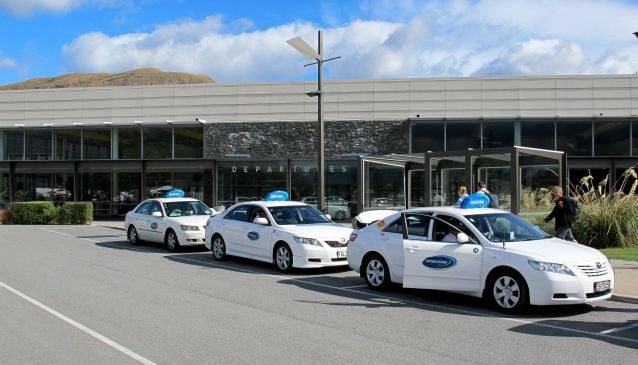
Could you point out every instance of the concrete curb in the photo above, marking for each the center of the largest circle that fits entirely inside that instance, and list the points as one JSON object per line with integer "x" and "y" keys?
{"x": 624, "y": 299}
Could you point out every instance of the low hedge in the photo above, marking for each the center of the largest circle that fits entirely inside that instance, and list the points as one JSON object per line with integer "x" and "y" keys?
{"x": 32, "y": 212}
{"x": 40, "y": 212}
{"x": 75, "y": 213}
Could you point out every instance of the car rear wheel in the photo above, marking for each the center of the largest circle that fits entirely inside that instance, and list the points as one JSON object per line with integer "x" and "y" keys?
{"x": 376, "y": 272}
{"x": 506, "y": 291}
{"x": 219, "y": 248}
{"x": 340, "y": 215}
{"x": 133, "y": 238}
{"x": 172, "y": 243}
{"x": 283, "y": 258}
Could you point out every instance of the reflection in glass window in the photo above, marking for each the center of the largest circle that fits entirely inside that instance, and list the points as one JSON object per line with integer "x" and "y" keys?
{"x": 126, "y": 190}
{"x": 249, "y": 180}
{"x": 97, "y": 143}
{"x": 38, "y": 144}
{"x": 538, "y": 134}
{"x": 574, "y": 137}
{"x": 68, "y": 144}
{"x": 189, "y": 142}
{"x": 12, "y": 144}
{"x": 191, "y": 182}
{"x": 427, "y": 136}
{"x": 461, "y": 136}
{"x": 384, "y": 186}
{"x": 127, "y": 143}
{"x": 498, "y": 134}
{"x": 4, "y": 189}
{"x": 303, "y": 179}
{"x": 611, "y": 138}
{"x": 157, "y": 184}
{"x": 158, "y": 142}
{"x": 36, "y": 186}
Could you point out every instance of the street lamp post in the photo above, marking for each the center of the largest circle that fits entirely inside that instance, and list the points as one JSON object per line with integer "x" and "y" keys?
{"x": 305, "y": 49}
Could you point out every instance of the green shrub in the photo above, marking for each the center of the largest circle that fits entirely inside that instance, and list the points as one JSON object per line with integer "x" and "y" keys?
{"x": 32, "y": 212}
{"x": 75, "y": 213}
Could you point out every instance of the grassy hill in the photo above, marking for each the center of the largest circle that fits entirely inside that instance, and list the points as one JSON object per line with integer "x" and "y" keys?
{"x": 142, "y": 76}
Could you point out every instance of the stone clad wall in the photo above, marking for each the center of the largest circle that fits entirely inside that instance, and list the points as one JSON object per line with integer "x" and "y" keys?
{"x": 298, "y": 139}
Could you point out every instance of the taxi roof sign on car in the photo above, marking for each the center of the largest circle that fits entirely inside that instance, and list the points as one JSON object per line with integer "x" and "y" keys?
{"x": 476, "y": 200}
{"x": 175, "y": 193}
{"x": 276, "y": 196}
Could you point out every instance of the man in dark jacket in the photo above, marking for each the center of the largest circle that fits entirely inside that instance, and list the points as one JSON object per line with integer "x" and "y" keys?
{"x": 563, "y": 214}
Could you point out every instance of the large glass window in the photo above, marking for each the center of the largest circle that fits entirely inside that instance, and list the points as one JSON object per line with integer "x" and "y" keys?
{"x": 158, "y": 142}
{"x": 12, "y": 144}
{"x": 157, "y": 184}
{"x": 427, "y": 137}
{"x": 498, "y": 134}
{"x": 96, "y": 188}
{"x": 4, "y": 189}
{"x": 461, "y": 136}
{"x": 249, "y": 180}
{"x": 574, "y": 137}
{"x": 191, "y": 182}
{"x": 44, "y": 186}
{"x": 611, "y": 138}
{"x": 538, "y": 134}
{"x": 303, "y": 179}
{"x": 97, "y": 143}
{"x": 38, "y": 144}
{"x": 384, "y": 186}
{"x": 127, "y": 144}
{"x": 189, "y": 142}
{"x": 68, "y": 144}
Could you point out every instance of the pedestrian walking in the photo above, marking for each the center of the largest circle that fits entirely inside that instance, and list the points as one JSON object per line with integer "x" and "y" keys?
{"x": 564, "y": 215}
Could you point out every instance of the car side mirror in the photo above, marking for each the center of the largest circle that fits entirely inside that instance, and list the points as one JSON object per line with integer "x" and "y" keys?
{"x": 261, "y": 220}
{"x": 462, "y": 238}
{"x": 156, "y": 214}
{"x": 328, "y": 216}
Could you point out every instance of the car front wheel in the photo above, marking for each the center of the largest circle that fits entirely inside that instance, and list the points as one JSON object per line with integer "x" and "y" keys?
{"x": 506, "y": 291}
{"x": 283, "y": 258}
{"x": 171, "y": 241}
{"x": 376, "y": 272}
{"x": 219, "y": 248}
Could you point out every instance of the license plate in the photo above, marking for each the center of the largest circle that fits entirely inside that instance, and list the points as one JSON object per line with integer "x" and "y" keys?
{"x": 601, "y": 286}
{"x": 342, "y": 254}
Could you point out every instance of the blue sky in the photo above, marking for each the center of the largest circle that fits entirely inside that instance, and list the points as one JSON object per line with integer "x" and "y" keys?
{"x": 245, "y": 41}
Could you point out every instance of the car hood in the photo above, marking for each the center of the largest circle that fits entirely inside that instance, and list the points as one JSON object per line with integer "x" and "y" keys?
{"x": 554, "y": 250}
{"x": 190, "y": 220}
{"x": 318, "y": 230}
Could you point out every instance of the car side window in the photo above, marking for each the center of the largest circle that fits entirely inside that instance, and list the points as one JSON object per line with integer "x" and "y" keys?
{"x": 156, "y": 207}
{"x": 418, "y": 225}
{"x": 395, "y": 227}
{"x": 238, "y": 214}
{"x": 144, "y": 208}
{"x": 447, "y": 227}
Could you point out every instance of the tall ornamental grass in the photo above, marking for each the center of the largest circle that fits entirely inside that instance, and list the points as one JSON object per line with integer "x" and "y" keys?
{"x": 608, "y": 219}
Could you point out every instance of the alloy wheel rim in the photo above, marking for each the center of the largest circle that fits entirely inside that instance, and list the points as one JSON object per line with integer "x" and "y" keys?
{"x": 171, "y": 241}
{"x": 283, "y": 258}
{"x": 218, "y": 248}
{"x": 133, "y": 235}
{"x": 375, "y": 272}
{"x": 507, "y": 292}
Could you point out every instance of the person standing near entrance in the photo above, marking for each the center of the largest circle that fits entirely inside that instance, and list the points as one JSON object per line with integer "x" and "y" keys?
{"x": 462, "y": 195}
{"x": 563, "y": 214}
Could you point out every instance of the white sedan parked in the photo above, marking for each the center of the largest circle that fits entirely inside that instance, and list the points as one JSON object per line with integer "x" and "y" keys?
{"x": 482, "y": 252}
{"x": 175, "y": 222}
{"x": 289, "y": 234}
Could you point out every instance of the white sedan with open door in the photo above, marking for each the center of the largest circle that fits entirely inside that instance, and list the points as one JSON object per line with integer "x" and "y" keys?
{"x": 482, "y": 252}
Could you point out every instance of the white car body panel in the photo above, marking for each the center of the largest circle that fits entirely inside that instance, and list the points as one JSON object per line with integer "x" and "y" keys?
{"x": 256, "y": 241}
{"x": 475, "y": 261}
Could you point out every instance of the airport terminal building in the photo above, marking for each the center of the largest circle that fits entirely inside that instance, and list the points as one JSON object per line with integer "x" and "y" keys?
{"x": 224, "y": 143}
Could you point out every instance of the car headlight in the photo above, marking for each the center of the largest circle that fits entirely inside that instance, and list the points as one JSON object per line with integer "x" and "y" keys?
{"x": 307, "y": 241}
{"x": 551, "y": 267}
{"x": 189, "y": 228}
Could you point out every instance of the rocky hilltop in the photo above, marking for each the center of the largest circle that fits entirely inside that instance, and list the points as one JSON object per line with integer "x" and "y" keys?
{"x": 142, "y": 76}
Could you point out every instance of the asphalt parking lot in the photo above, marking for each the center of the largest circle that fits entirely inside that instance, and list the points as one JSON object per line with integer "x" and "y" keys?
{"x": 78, "y": 294}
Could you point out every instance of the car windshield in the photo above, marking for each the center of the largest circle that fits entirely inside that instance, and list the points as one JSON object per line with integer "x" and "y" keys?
{"x": 502, "y": 227}
{"x": 185, "y": 208}
{"x": 298, "y": 214}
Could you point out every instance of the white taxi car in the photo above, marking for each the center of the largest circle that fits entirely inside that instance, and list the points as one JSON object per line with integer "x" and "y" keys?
{"x": 175, "y": 222}
{"x": 481, "y": 252}
{"x": 287, "y": 233}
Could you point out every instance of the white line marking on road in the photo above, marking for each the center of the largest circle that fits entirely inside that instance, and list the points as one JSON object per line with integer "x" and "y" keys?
{"x": 81, "y": 327}
{"x": 406, "y": 301}
{"x": 353, "y": 286}
{"x": 612, "y": 330}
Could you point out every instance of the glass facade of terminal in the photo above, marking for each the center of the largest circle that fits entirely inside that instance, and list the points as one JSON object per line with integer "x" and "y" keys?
{"x": 117, "y": 166}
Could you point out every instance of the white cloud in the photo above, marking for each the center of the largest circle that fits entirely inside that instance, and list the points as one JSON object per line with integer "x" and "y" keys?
{"x": 411, "y": 39}
{"x": 6, "y": 62}
{"x": 28, "y": 7}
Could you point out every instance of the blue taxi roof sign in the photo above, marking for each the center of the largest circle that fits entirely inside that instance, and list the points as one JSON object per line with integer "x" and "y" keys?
{"x": 476, "y": 200}
{"x": 276, "y": 196}
{"x": 175, "y": 193}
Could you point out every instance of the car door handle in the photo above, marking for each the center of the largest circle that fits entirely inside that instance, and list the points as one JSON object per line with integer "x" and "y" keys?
{"x": 413, "y": 248}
